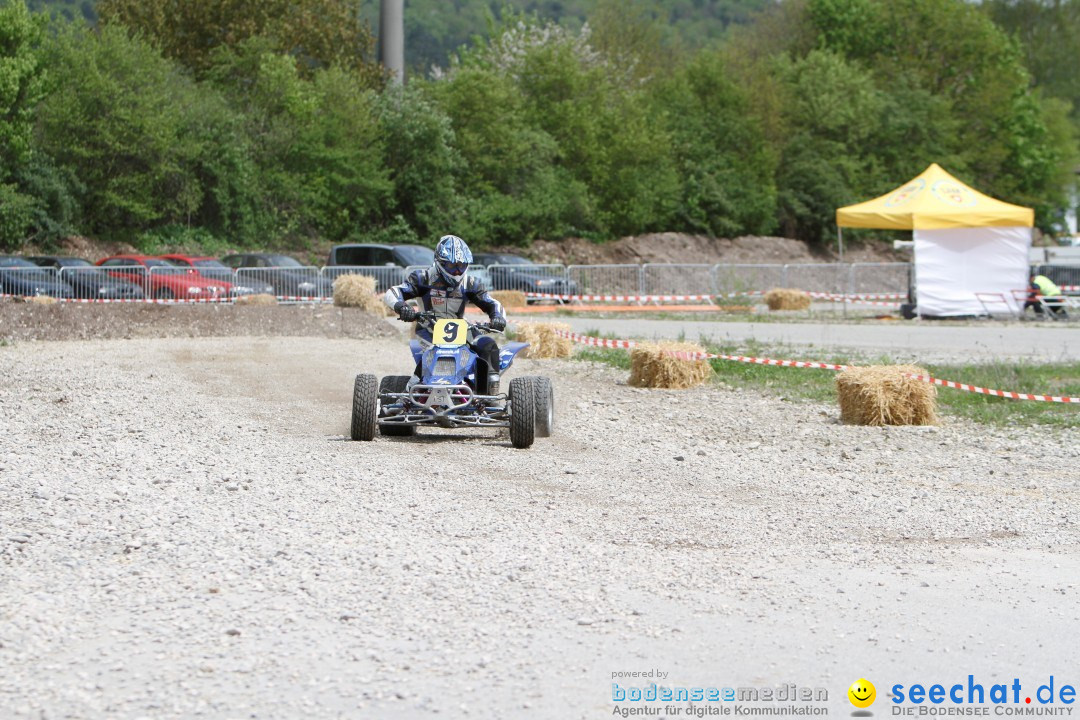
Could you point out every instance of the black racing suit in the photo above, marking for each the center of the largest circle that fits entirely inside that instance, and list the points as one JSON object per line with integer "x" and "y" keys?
{"x": 446, "y": 302}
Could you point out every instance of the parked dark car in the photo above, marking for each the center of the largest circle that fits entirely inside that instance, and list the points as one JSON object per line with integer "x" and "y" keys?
{"x": 385, "y": 263}
{"x": 19, "y": 276}
{"x": 372, "y": 255}
{"x": 87, "y": 280}
{"x": 212, "y": 269}
{"x": 513, "y": 272}
{"x": 287, "y": 276}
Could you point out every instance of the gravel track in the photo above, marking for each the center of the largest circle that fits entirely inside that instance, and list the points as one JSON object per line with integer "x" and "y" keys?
{"x": 185, "y": 532}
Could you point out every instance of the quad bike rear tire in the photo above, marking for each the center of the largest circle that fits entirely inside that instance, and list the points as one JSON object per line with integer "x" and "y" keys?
{"x": 395, "y": 384}
{"x": 365, "y": 406}
{"x": 522, "y": 412}
{"x": 545, "y": 406}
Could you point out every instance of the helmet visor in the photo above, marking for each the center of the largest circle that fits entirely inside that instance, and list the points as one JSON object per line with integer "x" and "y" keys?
{"x": 455, "y": 268}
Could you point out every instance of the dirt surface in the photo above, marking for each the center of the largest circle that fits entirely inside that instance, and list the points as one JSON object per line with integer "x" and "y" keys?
{"x": 187, "y": 532}
{"x": 74, "y": 321}
{"x": 681, "y": 248}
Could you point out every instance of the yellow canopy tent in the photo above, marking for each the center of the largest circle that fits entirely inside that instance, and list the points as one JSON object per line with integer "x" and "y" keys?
{"x": 934, "y": 200}
{"x": 967, "y": 245}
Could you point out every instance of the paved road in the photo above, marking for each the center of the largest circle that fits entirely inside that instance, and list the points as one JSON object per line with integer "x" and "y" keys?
{"x": 926, "y": 340}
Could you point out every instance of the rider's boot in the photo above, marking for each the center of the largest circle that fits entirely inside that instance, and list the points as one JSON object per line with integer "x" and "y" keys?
{"x": 493, "y": 385}
{"x": 412, "y": 381}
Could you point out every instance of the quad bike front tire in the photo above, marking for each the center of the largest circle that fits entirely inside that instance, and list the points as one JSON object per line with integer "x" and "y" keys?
{"x": 522, "y": 412}
{"x": 365, "y": 406}
{"x": 395, "y": 384}
{"x": 545, "y": 406}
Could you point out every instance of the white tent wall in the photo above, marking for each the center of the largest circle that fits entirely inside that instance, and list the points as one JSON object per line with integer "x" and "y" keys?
{"x": 952, "y": 265}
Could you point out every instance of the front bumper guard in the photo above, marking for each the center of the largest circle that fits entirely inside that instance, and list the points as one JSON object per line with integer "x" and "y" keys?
{"x": 444, "y": 405}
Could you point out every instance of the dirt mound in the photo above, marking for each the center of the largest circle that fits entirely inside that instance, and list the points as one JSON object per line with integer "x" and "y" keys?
{"x": 652, "y": 248}
{"x": 682, "y": 248}
{"x": 64, "y": 321}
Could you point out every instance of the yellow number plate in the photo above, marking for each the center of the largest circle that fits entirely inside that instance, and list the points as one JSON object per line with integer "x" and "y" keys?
{"x": 450, "y": 332}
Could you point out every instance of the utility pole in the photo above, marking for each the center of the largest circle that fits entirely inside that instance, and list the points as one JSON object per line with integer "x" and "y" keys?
{"x": 392, "y": 38}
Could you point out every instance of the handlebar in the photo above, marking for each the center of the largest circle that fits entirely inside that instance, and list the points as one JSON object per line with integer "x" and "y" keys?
{"x": 429, "y": 317}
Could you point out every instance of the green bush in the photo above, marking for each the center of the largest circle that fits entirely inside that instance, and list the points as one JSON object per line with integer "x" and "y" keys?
{"x": 124, "y": 121}
{"x": 17, "y": 213}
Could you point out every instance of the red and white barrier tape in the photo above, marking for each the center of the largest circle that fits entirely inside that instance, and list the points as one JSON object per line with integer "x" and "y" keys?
{"x": 173, "y": 301}
{"x": 861, "y": 299}
{"x": 996, "y": 393}
{"x": 682, "y": 355}
{"x": 631, "y": 298}
{"x": 147, "y": 301}
{"x": 857, "y": 299}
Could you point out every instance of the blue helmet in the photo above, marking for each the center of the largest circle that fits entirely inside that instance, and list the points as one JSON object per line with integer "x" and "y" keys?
{"x": 452, "y": 259}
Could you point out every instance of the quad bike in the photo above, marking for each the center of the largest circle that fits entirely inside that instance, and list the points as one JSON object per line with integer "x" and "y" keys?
{"x": 446, "y": 395}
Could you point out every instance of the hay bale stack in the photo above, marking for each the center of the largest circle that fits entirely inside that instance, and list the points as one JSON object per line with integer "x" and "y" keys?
{"x": 260, "y": 299}
{"x": 358, "y": 291}
{"x": 37, "y": 300}
{"x": 543, "y": 342}
{"x": 652, "y": 367}
{"x": 510, "y": 298}
{"x": 787, "y": 299}
{"x": 885, "y": 395}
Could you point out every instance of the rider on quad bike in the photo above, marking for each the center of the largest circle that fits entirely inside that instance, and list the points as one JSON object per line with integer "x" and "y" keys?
{"x": 444, "y": 289}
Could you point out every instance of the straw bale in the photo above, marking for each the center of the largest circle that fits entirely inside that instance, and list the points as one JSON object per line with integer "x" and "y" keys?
{"x": 787, "y": 299}
{"x": 651, "y": 367}
{"x": 358, "y": 291}
{"x": 510, "y": 298}
{"x": 885, "y": 395}
{"x": 543, "y": 342}
{"x": 260, "y": 299}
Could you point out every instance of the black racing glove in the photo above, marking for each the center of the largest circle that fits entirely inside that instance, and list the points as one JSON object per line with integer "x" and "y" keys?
{"x": 406, "y": 312}
{"x": 497, "y": 323}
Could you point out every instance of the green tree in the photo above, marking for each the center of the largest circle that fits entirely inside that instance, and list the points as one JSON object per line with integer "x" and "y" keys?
{"x": 316, "y": 33}
{"x": 150, "y": 147}
{"x": 315, "y": 142}
{"x": 21, "y": 81}
{"x": 831, "y": 113}
{"x": 725, "y": 166}
{"x": 513, "y": 188}
{"x": 21, "y": 87}
{"x": 955, "y": 91}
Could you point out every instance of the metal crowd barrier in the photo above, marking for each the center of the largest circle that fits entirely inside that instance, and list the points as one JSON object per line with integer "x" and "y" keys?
{"x": 96, "y": 283}
{"x": 607, "y": 279}
{"x": 1067, "y": 276}
{"x": 25, "y": 281}
{"x": 531, "y": 278}
{"x": 818, "y": 277}
{"x": 289, "y": 284}
{"x": 683, "y": 279}
{"x": 185, "y": 283}
{"x": 743, "y": 278}
{"x": 385, "y": 275}
{"x": 298, "y": 284}
{"x": 130, "y": 274}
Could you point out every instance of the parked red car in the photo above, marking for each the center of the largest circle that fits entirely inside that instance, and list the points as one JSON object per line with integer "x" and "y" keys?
{"x": 213, "y": 269}
{"x": 164, "y": 281}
